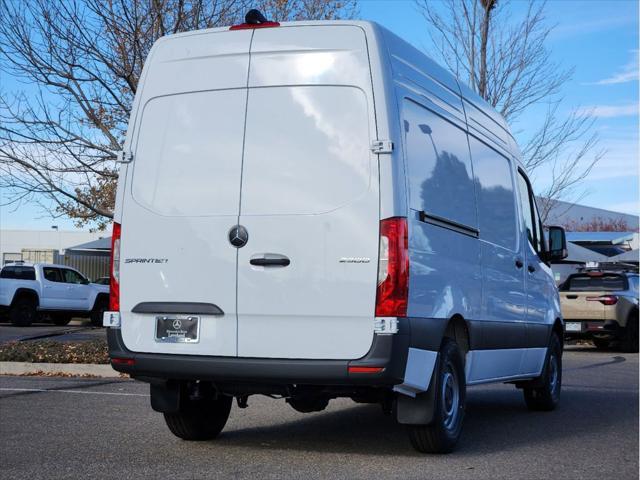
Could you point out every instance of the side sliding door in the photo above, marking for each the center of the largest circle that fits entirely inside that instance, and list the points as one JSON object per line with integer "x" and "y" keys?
{"x": 499, "y": 353}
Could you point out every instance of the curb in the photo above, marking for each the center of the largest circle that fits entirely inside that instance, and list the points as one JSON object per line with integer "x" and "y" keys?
{"x": 67, "y": 369}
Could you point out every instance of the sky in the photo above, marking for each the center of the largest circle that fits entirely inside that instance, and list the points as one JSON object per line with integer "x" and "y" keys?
{"x": 597, "y": 38}
{"x": 600, "y": 40}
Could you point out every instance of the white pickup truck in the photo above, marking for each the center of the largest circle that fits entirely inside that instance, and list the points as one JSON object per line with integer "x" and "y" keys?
{"x": 28, "y": 291}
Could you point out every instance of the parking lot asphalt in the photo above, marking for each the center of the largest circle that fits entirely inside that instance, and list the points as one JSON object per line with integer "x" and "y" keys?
{"x": 79, "y": 428}
{"x": 76, "y": 331}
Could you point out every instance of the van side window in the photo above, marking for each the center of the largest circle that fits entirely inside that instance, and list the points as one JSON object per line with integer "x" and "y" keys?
{"x": 540, "y": 245}
{"x": 439, "y": 167}
{"x": 527, "y": 212}
{"x": 495, "y": 191}
{"x": 530, "y": 215}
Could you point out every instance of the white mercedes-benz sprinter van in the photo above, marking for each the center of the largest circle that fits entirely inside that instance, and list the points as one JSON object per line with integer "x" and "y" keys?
{"x": 317, "y": 210}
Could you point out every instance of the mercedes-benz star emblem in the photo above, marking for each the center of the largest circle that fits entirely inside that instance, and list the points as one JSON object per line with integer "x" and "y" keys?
{"x": 177, "y": 324}
{"x": 238, "y": 236}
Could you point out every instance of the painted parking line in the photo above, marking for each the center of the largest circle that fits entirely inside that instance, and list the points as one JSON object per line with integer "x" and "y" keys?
{"x": 72, "y": 391}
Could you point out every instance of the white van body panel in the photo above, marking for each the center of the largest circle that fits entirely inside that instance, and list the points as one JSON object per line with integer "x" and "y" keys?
{"x": 183, "y": 188}
{"x": 316, "y": 203}
{"x": 309, "y": 193}
{"x": 279, "y": 144}
{"x": 330, "y": 88}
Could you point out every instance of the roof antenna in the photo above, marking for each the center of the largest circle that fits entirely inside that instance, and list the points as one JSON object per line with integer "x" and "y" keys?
{"x": 254, "y": 17}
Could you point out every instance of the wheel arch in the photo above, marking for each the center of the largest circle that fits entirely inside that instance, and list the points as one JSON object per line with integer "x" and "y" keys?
{"x": 100, "y": 297}
{"x": 558, "y": 329}
{"x": 458, "y": 330}
{"x": 26, "y": 293}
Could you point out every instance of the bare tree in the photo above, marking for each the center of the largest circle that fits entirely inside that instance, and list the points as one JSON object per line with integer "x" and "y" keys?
{"x": 504, "y": 59}
{"x": 598, "y": 224}
{"x": 80, "y": 62}
{"x": 284, "y": 10}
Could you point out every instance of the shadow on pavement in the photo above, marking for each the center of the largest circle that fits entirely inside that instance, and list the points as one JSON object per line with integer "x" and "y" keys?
{"x": 496, "y": 420}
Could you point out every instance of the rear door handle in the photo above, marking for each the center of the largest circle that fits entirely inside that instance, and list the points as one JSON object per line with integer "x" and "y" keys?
{"x": 270, "y": 260}
{"x": 572, "y": 297}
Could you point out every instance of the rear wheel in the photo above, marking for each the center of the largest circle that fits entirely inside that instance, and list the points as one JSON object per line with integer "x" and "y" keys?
{"x": 101, "y": 306}
{"x": 600, "y": 343}
{"x": 23, "y": 312}
{"x": 442, "y": 434}
{"x": 200, "y": 420}
{"x": 544, "y": 394}
{"x": 630, "y": 339}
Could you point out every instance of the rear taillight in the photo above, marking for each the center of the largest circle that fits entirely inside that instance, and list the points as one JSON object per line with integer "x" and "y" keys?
{"x": 393, "y": 268}
{"x": 114, "y": 284}
{"x": 604, "y": 299}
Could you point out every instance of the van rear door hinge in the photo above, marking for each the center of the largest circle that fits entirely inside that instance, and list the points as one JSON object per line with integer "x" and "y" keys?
{"x": 382, "y": 146}
{"x": 124, "y": 157}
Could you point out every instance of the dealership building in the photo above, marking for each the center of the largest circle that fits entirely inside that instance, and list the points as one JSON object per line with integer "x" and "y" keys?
{"x": 56, "y": 246}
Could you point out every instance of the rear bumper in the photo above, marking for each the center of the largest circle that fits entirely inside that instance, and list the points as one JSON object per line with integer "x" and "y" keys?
{"x": 387, "y": 351}
{"x": 594, "y": 329}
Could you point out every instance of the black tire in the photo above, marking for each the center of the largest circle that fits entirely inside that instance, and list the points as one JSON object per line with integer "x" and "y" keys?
{"x": 441, "y": 435}
{"x": 630, "y": 339}
{"x": 101, "y": 306}
{"x": 201, "y": 420}
{"x": 23, "y": 312}
{"x": 544, "y": 394}
{"x": 60, "y": 319}
{"x": 601, "y": 344}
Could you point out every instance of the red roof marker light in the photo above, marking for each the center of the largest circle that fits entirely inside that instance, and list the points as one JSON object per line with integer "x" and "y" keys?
{"x": 247, "y": 26}
{"x": 254, "y": 19}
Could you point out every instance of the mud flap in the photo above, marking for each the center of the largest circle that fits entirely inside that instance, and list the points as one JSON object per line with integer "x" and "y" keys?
{"x": 165, "y": 397}
{"x": 414, "y": 405}
{"x": 418, "y": 410}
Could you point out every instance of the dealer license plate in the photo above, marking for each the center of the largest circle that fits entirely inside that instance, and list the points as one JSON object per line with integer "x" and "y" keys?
{"x": 177, "y": 329}
{"x": 573, "y": 327}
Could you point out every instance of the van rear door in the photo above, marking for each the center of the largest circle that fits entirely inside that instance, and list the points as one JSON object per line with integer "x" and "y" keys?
{"x": 184, "y": 194}
{"x": 310, "y": 201}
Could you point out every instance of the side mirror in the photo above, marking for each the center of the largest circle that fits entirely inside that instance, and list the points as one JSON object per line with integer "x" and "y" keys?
{"x": 557, "y": 244}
